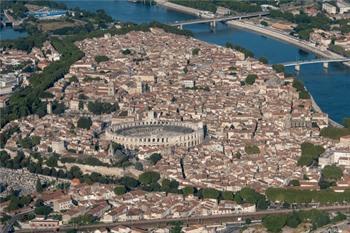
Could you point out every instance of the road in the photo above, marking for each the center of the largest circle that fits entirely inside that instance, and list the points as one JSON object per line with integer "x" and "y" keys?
{"x": 285, "y": 37}
{"x": 210, "y": 219}
{"x": 12, "y": 221}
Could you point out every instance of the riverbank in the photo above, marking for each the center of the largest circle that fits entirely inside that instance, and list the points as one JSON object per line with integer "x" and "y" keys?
{"x": 310, "y": 47}
{"x": 179, "y": 8}
{"x": 284, "y": 37}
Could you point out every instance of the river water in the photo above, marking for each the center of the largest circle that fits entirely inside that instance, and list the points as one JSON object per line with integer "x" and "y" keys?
{"x": 330, "y": 88}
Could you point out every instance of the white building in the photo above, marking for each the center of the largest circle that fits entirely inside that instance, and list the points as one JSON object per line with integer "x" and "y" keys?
{"x": 340, "y": 157}
{"x": 329, "y": 8}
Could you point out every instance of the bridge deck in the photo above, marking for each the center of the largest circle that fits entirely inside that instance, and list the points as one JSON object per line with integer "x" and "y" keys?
{"x": 315, "y": 61}
{"x": 218, "y": 19}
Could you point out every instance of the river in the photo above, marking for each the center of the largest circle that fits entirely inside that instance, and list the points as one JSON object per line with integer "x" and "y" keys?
{"x": 330, "y": 88}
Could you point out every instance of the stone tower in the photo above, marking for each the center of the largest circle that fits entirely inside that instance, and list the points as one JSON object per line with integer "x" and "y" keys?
{"x": 111, "y": 89}
{"x": 49, "y": 107}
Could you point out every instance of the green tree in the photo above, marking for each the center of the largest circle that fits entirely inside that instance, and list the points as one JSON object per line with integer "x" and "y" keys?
{"x": 250, "y": 79}
{"x": 176, "y": 227}
{"x": 149, "y": 177}
{"x": 154, "y": 158}
{"x": 170, "y": 185}
{"x": 188, "y": 190}
{"x": 279, "y": 68}
{"x": 102, "y": 107}
{"x": 334, "y": 133}
{"x": 251, "y": 149}
{"x": 346, "y": 122}
{"x": 84, "y": 123}
{"x": 120, "y": 190}
{"x": 138, "y": 166}
{"x": 264, "y": 23}
{"x": 210, "y": 193}
{"x": 294, "y": 183}
{"x": 331, "y": 173}
{"x": 263, "y": 60}
{"x": 309, "y": 154}
{"x": 195, "y": 51}
{"x": 274, "y": 223}
{"x": 228, "y": 195}
{"x": 43, "y": 210}
{"x": 293, "y": 220}
{"x": 101, "y": 58}
{"x": 52, "y": 161}
{"x": 129, "y": 182}
{"x": 39, "y": 186}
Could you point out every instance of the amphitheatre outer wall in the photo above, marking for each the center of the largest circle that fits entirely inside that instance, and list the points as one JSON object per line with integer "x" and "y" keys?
{"x": 156, "y": 133}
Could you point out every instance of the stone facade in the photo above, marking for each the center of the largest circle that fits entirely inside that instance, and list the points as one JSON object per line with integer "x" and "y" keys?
{"x": 156, "y": 133}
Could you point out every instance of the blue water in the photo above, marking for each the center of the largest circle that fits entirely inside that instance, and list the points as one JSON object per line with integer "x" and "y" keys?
{"x": 331, "y": 88}
{"x": 7, "y": 33}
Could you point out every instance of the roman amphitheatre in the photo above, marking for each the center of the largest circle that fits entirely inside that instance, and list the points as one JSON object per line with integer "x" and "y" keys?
{"x": 156, "y": 133}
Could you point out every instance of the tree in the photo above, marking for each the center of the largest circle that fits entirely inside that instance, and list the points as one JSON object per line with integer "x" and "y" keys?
{"x": 250, "y": 79}
{"x": 251, "y": 149}
{"x": 43, "y": 210}
{"x": 334, "y": 133}
{"x": 264, "y": 23}
{"x": 188, "y": 190}
{"x": 176, "y": 227}
{"x": 228, "y": 195}
{"x": 129, "y": 182}
{"x": 294, "y": 183}
{"x": 84, "y": 123}
{"x": 102, "y": 107}
{"x": 149, "y": 177}
{"x": 309, "y": 154}
{"x": 293, "y": 220}
{"x": 76, "y": 172}
{"x": 170, "y": 185}
{"x": 154, "y": 158}
{"x": 263, "y": 60}
{"x": 279, "y": 68}
{"x": 39, "y": 186}
{"x": 274, "y": 223}
{"x": 52, "y": 161}
{"x": 101, "y": 58}
{"x": 331, "y": 173}
{"x": 195, "y": 51}
{"x": 262, "y": 204}
{"x": 29, "y": 142}
{"x": 210, "y": 193}
{"x": 346, "y": 122}
{"x": 120, "y": 190}
{"x": 138, "y": 166}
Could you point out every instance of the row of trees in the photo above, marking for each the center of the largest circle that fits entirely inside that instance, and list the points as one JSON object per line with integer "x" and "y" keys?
{"x": 336, "y": 133}
{"x": 305, "y": 23}
{"x": 299, "y": 86}
{"x": 306, "y": 196}
{"x": 211, "y": 5}
{"x": 275, "y": 223}
{"x": 247, "y": 53}
{"x": 6, "y": 135}
{"x": 26, "y": 100}
{"x": 99, "y": 108}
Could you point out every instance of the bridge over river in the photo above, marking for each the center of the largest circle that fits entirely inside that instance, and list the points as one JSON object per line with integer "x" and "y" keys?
{"x": 214, "y": 20}
{"x": 325, "y": 62}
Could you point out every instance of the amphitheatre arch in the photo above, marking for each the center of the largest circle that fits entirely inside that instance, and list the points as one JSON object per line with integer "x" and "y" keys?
{"x": 156, "y": 133}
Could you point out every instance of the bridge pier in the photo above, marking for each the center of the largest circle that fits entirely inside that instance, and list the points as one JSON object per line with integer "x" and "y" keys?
{"x": 325, "y": 65}
{"x": 213, "y": 24}
{"x": 297, "y": 67}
